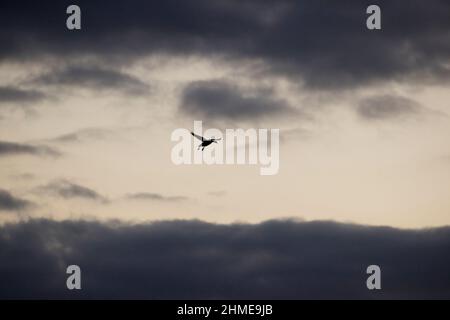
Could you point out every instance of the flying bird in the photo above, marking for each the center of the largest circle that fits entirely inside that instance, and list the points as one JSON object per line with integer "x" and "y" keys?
{"x": 205, "y": 142}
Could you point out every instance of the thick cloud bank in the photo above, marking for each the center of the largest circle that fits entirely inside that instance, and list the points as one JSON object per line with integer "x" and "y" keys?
{"x": 325, "y": 43}
{"x": 193, "y": 259}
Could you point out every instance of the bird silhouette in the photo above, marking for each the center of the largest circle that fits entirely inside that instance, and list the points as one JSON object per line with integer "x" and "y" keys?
{"x": 205, "y": 142}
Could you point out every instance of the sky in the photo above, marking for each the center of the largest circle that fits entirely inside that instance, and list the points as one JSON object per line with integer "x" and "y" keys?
{"x": 86, "y": 118}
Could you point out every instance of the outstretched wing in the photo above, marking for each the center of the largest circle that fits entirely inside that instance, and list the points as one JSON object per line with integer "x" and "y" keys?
{"x": 197, "y": 136}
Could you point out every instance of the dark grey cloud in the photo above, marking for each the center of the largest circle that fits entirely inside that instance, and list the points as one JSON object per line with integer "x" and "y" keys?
{"x": 9, "y": 202}
{"x": 324, "y": 43}
{"x": 15, "y": 95}
{"x": 92, "y": 77}
{"x": 155, "y": 196}
{"x": 13, "y": 148}
{"x": 194, "y": 259}
{"x": 217, "y": 100}
{"x": 68, "y": 190}
{"x": 384, "y": 107}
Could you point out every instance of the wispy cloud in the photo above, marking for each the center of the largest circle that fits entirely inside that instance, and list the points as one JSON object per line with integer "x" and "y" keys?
{"x": 93, "y": 78}
{"x": 385, "y": 107}
{"x": 69, "y": 190}
{"x": 154, "y": 197}
{"x": 81, "y": 135}
{"x": 218, "y": 193}
{"x": 18, "y": 96}
{"x": 9, "y": 202}
{"x": 219, "y": 99}
{"x": 14, "y": 148}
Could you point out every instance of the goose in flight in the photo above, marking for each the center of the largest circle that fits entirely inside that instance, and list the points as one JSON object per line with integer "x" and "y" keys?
{"x": 205, "y": 142}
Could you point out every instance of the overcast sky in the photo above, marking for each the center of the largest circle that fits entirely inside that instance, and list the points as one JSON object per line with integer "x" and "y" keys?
{"x": 86, "y": 116}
